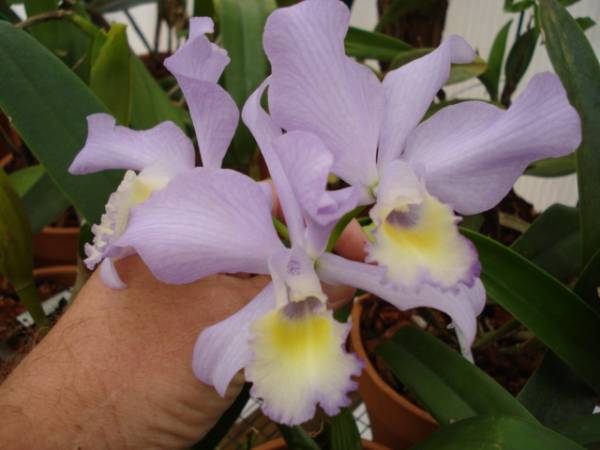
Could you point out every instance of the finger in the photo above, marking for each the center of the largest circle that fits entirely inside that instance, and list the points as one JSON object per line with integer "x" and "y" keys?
{"x": 352, "y": 242}
{"x": 338, "y": 296}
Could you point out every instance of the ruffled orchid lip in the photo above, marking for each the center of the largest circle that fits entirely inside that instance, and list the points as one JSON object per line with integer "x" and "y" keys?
{"x": 300, "y": 362}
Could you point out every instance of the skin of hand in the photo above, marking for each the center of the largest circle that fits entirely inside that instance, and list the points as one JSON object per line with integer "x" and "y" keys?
{"x": 115, "y": 371}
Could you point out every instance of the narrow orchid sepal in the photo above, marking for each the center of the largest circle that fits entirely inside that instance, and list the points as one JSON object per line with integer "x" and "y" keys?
{"x": 197, "y": 65}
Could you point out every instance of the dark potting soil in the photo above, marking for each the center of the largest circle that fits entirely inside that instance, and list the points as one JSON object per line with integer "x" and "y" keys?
{"x": 17, "y": 340}
{"x": 510, "y": 360}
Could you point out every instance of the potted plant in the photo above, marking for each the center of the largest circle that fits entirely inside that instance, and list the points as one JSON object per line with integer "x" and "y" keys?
{"x": 279, "y": 444}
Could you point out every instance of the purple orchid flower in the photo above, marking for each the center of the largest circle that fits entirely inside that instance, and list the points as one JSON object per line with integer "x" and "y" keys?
{"x": 464, "y": 158}
{"x": 285, "y": 339}
{"x": 162, "y": 153}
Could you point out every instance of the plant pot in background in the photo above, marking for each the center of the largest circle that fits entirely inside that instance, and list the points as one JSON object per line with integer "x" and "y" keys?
{"x": 5, "y": 160}
{"x": 395, "y": 421}
{"x": 63, "y": 274}
{"x": 279, "y": 444}
{"x": 56, "y": 246}
{"x": 16, "y": 340}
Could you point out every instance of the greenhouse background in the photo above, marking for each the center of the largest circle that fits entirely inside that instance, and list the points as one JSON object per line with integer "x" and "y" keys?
{"x": 472, "y": 19}
{"x": 290, "y": 224}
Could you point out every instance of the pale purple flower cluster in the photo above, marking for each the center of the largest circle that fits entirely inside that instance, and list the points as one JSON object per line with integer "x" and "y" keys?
{"x": 327, "y": 114}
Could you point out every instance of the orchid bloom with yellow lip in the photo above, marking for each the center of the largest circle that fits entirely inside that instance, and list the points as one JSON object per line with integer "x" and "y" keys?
{"x": 465, "y": 158}
{"x": 162, "y": 153}
{"x": 208, "y": 221}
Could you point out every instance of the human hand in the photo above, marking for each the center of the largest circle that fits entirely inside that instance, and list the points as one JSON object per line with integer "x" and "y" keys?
{"x": 115, "y": 371}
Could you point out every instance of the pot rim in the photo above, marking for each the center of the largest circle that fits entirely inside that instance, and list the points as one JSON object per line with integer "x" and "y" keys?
{"x": 60, "y": 230}
{"x": 358, "y": 347}
{"x": 279, "y": 444}
{"x": 6, "y": 160}
{"x": 66, "y": 269}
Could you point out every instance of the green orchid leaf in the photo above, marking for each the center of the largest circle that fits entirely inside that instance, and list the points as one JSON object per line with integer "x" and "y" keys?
{"x": 343, "y": 433}
{"x": 464, "y": 72}
{"x": 518, "y": 61}
{"x": 408, "y": 56}
{"x": 296, "y": 438}
{"x": 517, "y": 5}
{"x": 553, "y": 167}
{"x": 450, "y": 387}
{"x": 48, "y": 106}
{"x": 553, "y": 242}
{"x": 491, "y": 77}
{"x": 7, "y": 13}
{"x": 241, "y": 28}
{"x": 204, "y": 8}
{"x": 149, "y": 103}
{"x": 561, "y": 319}
{"x": 363, "y": 44}
{"x": 111, "y": 77}
{"x": 585, "y": 431}
{"x": 585, "y": 22}
{"x": 16, "y": 254}
{"x": 589, "y": 282}
{"x": 61, "y": 37}
{"x": 42, "y": 200}
{"x": 16, "y": 257}
{"x": 555, "y": 394}
{"x": 496, "y": 433}
{"x": 47, "y": 33}
{"x": 576, "y": 64}
{"x": 105, "y": 6}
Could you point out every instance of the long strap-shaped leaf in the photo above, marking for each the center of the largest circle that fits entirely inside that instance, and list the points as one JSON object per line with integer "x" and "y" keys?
{"x": 576, "y": 64}
{"x": 496, "y": 433}
{"x": 42, "y": 200}
{"x": 554, "y": 313}
{"x": 242, "y": 24}
{"x": 48, "y": 106}
{"x": 585, "y": 431}
{"x": 450, "y": 387}
{"x": 16, "y": 257}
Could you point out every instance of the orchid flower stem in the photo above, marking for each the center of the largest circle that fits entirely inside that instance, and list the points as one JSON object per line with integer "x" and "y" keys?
{"x": 28, "y": 295}
{"x": 498, "y": 333}
{"x": 530, "y": 346}
{"x": 44, "y": 17}
{"x": 341, "y": 225}
{"x": 139, "y": 32}
{"x": 282, "y": 230}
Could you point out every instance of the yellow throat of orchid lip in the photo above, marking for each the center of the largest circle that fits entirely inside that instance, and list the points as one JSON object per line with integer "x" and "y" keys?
{"x": 296, "y": 338}
{"x": 418, "y": 226}
{"x": 299, "y": 361}
{"x": 417, "y": 241}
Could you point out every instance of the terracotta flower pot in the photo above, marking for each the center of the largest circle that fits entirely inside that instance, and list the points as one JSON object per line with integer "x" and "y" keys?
{"x": 56, "y": 246}
{"x": 395, "y": 421}
{"x": 279, "y": 444}
{"x": 5, "y": 160}
{"x": 61, "y": 274}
